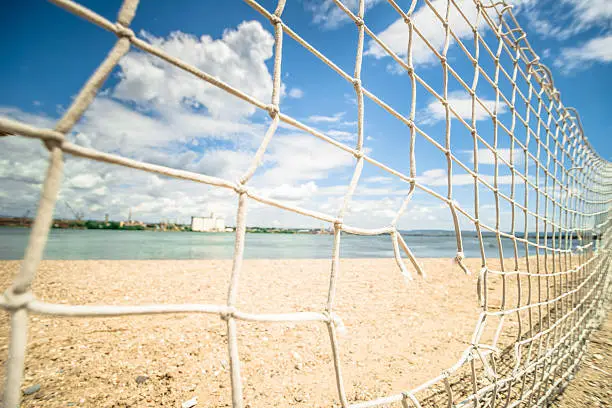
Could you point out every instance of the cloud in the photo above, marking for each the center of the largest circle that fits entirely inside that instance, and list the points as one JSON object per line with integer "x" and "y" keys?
{"x": 224, "y": 163}
{"x": 85, "y": 181}
{"x": 156, "y": 114}
{"x": 396, "y": 35}
{"x": 341, "y": 135}
{"x": 598, "y": 12}
{"x": 327, "y": 14}
{"x": 486, "y": 156}
{"x": 461, "y": 102}
{"x": 439, "y": 177}
{"x": 238, "y": 58}
{"x": 22, "y": 161}
{"x": 378, "y": 179}
{"x": 159, "y": 114}
{"x": 565, "y": 18}
{"x": 295, "y": 93}
{"x": 326, "y": 119}
{"x": 596, "y": 50}
{"x": 301, "y": 157}
{"x": 289, "y": 192}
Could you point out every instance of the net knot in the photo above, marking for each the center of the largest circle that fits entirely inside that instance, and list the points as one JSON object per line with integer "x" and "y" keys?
{"x": 227, "y": 314}
{"x": 459, "y": 260}
{"x": 15, "y": 301}
{"x": 533, "y": 62}
{"x": 273, "y": 110}
{"x": 123, "y": 31}
{"x": 443, "y": 59}
{"x": 407, "y": 20}
{"x": 336, "y": 321}
{"x": 51, "y": 144}
{"x": 241, "y": 189}
{"x": 357, "y": 83}
{"x": 359, "y": 21}
{"x": 408, "y": 395}
{"x": 358, "y": 154}
{"x": 274, "y": 19}
{"x": 338, "y": 224}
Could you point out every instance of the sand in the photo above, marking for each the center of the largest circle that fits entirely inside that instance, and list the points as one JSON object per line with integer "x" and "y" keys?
{"x": 592, "y": 386}
{"x": 397, "y": 335}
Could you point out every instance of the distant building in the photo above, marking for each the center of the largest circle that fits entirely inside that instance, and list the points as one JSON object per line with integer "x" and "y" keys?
{"x": 208, "y": 224}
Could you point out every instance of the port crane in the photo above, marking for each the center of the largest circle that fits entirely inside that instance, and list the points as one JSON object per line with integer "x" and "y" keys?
{"x": 78, "y": 215}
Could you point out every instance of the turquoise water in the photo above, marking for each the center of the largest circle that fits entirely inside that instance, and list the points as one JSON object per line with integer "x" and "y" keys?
{"x": 114, "y": 244}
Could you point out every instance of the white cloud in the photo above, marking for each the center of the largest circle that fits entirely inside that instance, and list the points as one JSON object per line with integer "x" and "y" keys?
{"x": 589, "y": 12}
{"x": 161, "y": 115}
{"x": 152, "y": 115}
{"x": 326, "y": 119}
{"x": 238, "y": 58}
{"x": 85, "y": 181}
{"x": 341, "y": 135}
{"x": 112, "y": 126}
{"x": 549, "y": 29}
{"x": 396, "y": 35}
{"x": 598, "y": 49}
{"x": 562, "y": 19}
{"x": 438, "y": 177}
{"x": 302, "y": 157}
{"x": 330, "y": 16}
{"x": 378, "y": 179}
{"x": 22, "y": 161}
{"x": 461, "y": 102}
{"x": 227, "y": 164}
{"x": 486, "y": 156}
{"x": 295, "y": 93}
{"x": 289, "y": 192}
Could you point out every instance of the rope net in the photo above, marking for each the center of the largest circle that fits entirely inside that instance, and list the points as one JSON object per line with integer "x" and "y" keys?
{"x": 553, "y": 289}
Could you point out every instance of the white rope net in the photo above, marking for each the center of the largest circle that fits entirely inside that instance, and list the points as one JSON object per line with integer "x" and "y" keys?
{"x": 554, "y": 288}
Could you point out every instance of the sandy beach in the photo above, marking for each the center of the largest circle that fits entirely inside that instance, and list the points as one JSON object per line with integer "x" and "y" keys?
{"x": 397, "y": 335}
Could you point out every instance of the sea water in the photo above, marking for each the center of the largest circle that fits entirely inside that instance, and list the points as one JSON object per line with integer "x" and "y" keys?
{"x": 118, "y": 244}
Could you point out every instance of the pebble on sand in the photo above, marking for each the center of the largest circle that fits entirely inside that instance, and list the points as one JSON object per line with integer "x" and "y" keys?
{"x": 31, "y": 389}
{"x": 141, "y": 379}
{"x": 191, "y": 403}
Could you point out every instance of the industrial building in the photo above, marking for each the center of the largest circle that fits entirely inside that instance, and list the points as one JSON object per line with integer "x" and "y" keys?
{"x": 208, "y": 224}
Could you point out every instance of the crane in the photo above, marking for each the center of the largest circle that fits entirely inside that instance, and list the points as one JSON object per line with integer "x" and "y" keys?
{"x": 78, "y": 215}
{"x": 24, "y": 217}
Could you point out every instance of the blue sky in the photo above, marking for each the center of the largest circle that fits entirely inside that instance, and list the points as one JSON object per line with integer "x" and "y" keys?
{"x": 151, "y": 111}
